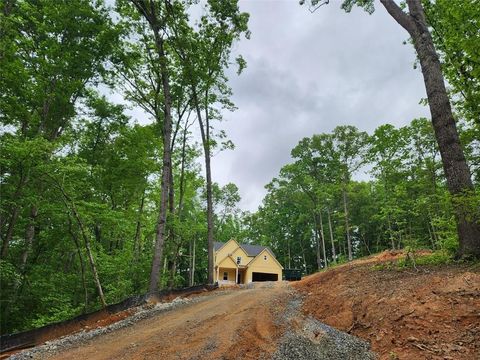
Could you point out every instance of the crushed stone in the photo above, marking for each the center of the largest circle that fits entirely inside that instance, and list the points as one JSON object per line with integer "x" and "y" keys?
{"x": 309, "y": 339}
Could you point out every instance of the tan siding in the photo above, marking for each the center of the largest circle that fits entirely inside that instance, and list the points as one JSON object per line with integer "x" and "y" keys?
{"x": 229, "y": 247}
{"x": 227, "y": 263}
{"x": 231, "y": 274}
{"x": 269, "y": 266}
{"x": 245, "y": 259}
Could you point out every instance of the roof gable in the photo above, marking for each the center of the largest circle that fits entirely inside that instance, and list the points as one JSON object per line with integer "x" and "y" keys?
{"x": 217, "y": 246}
{"x": 266, "y": 249}
{"x": 227, "y": 261}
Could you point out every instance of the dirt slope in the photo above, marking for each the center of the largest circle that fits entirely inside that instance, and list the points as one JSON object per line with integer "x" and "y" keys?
{"x": 432, "y": 313}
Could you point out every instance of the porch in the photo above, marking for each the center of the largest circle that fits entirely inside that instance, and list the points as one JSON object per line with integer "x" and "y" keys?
{"x": 231, "y": 276}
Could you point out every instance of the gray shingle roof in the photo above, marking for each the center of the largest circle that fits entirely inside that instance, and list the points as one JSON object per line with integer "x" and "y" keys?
{"x": 217, "y": 245}
{"x": 251, "y": 250}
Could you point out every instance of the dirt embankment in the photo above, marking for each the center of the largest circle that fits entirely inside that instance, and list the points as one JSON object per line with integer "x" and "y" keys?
{"x": 428, "y": 313}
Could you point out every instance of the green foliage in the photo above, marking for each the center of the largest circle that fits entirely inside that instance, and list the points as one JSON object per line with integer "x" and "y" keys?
{"x": 412, "y": 260}
{"x": 405, "y": 205}
{"x": 79, "y": 177}
{"x": 455, "y": 27}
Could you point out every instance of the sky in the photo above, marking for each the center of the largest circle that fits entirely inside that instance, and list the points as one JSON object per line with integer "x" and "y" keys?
{"x": 307, "y": 73}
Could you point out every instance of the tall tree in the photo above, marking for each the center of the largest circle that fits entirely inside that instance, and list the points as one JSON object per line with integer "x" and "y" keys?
{"x": 155, "y": 14}
{"x": 205, "y": 54}
{"x": 453, "y": 159}
{"x": 41, "y": 91}
{"x": 351, "y": 147}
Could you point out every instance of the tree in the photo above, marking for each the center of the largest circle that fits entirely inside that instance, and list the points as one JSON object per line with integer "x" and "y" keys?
{"x": 387, "y": 152}
{"x": 155, "y": 14}
{"x": 205, "y": 53}
{"x": 351, "y": 147}
{"x": 454, "y": 27}
{"x": 454, "y": 163}
{"x": 41, "y": 91}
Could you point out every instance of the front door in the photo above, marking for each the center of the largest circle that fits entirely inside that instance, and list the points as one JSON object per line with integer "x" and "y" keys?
{"x": 239, "y": 278}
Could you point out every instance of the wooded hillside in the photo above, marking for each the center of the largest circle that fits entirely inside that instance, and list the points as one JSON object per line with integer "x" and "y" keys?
{"x": 97, "y": 204}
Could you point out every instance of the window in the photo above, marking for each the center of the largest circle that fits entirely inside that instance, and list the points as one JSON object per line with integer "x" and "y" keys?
{"x": 225, "y": 275}
{"x": 239, "y": 260}
{"x": 264, "y": 257}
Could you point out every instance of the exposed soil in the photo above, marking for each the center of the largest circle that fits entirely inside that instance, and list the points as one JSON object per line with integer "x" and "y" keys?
{"x": 235, "y": 325}
{"x": 423, "y": 313}
{"x": 262, "y": 321}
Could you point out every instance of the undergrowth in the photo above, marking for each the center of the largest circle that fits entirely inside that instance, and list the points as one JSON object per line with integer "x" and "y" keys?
{"x": 412, "y": 259}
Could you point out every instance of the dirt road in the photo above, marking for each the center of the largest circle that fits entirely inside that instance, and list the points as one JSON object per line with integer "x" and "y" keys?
{"x": 238, "y": 324}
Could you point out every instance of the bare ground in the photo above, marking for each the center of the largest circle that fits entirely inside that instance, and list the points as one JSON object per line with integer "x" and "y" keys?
{"x": 237, "y": 325}
{"x": 424, "y": 313}
{"x": 428, "y": 313}
{"x": 263, "y": 322}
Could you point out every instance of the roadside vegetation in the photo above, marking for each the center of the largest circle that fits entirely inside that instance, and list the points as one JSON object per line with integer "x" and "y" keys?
{"x": 99, "y": 202}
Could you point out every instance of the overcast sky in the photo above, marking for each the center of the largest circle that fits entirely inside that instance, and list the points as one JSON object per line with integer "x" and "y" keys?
{"x": 307, "y": 73}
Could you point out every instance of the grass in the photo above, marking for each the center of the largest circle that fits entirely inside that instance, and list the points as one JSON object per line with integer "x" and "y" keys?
{"x": 412, "y": 260}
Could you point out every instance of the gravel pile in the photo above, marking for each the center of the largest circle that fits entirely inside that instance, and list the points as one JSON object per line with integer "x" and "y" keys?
{"x": 317, "y": 341}
{"x": 310, "y": 339}
{"x": 79, "y": 338}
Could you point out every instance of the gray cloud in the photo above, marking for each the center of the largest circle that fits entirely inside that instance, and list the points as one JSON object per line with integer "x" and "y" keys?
{"x": 306, "y": 74}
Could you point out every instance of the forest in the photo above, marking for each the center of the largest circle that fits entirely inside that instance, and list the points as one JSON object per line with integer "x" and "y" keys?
{"x": 97, "y": 206}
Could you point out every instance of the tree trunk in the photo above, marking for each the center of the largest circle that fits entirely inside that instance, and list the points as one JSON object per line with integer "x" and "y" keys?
{"x": 289, "y": 255}
{"x": 320, "y": 218}
{"x": 9, "y": 234}
{"x": 347, "y": 224}
{"x": 29, "y": 235}
{"x": 71, "y": 206}
{"x": 167, "y": 156}
{"x": 192, "y": 263}
{"x": 366, "y": 244}
{"x": 390, "y": 232}
{"x": 205, "y": 132}
{"x": 82, "y": 265}
{"x": 173, "y": 269}
{"x": 138, "y": 229}
{"x": 317, "y": 244}
{"x": 454, "y": 163}
{"x": 334, "y": 255}
{"x": 13, "y": 217}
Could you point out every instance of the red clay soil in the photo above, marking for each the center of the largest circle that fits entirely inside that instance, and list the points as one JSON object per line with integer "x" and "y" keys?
{"x": 424, "y": 313}
{"x": 236, "y": 325}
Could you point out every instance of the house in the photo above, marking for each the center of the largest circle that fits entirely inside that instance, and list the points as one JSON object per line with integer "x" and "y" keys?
{"x": 244, "y": 263}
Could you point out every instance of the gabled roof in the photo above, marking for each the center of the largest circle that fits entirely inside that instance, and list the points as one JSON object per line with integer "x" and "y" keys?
{"x": 217, "y": 245}
{"x": 251, "y": 250}
{"x": 266, "y": 249}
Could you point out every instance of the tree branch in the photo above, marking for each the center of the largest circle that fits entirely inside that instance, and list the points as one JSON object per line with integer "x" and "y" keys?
{"x": 400, "y": 17}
